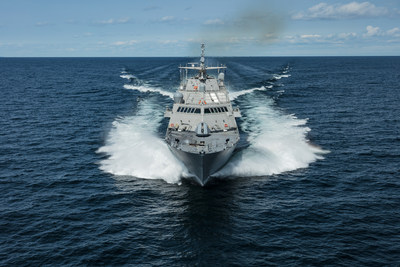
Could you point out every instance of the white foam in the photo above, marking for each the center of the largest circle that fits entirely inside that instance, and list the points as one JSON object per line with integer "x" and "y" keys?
{"x": 280, "y": 76}
{"x": 146, "y": 88}
{"x": 128, "y": 76}
{"x": 134, "y": 149}
{"x": 277, "y": 144}
{"x": 235, "y": 94}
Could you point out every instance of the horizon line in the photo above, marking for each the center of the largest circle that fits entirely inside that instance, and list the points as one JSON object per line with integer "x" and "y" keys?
{"x": 196, "y": 56}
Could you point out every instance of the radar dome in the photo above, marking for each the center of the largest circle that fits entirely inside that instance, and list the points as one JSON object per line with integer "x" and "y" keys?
{"x": 178, "y": 97}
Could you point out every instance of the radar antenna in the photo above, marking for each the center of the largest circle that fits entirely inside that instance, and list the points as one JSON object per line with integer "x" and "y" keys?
{"x": 202, "y": 68}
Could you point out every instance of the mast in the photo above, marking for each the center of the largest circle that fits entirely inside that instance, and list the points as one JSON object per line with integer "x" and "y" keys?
{"x": 202, "y": 68}
{"x": 202, "y": 56}
{"x": 202, "y": 60}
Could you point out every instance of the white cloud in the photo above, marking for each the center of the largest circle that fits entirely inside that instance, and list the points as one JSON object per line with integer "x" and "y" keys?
{"x": 339, "y": 38}
{"x": 125, "y": 43}
{"x": 166, "y": 42}
{"x": 394, "y": 32}
{"x": 123, "y": 20}
{"x": 167, "y": 19}
{"x": 214, "y": 22}
{"x": 347, "y": 35}
{"x": 109, "y": 21}
{"x": 351, "y": 10}
{"x": 112, "y": 21}
{"x": 364, "y": 9}
{"x": 308, "y": 36}
{"x": 372, "y": 31}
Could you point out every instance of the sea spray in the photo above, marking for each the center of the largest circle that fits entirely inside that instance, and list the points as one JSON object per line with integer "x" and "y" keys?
{"x": 134, "y": 148}
{"x": 141, "y": 85}
{"x": 127, "y": 76}
{"x": 235, "y": 94}
{"x": 277, "y": 142}
{"x": 147, "y": 88}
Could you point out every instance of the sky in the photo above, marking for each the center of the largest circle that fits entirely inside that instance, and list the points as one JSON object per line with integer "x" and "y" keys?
{"x": 132, "y": 28}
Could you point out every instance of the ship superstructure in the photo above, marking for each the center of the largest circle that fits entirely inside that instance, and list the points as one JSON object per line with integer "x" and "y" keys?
{"x": 202, "y": 130}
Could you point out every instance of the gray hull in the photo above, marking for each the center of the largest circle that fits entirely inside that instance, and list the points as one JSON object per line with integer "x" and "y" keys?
{"x": 202, "y": 131}
{"x": 203, "y": 165}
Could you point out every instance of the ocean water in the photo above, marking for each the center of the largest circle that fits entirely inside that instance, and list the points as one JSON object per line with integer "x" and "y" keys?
{"x": 86, "y": 179}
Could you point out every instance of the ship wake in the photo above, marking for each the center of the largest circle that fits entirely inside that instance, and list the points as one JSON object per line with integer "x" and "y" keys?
{"x": 142, "y": 86}
{"x": 134, "y": 148}
{"x": 277, "y": 142}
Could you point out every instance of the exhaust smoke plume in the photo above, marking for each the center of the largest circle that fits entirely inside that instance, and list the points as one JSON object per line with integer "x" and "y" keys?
{"x": 256, "y": 26}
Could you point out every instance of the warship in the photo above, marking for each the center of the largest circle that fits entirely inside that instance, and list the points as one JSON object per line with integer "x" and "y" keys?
{"x": 202, "y": 131}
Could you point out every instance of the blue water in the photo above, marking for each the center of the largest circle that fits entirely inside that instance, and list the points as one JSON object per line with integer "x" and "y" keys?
{"x": 85, "y": 178}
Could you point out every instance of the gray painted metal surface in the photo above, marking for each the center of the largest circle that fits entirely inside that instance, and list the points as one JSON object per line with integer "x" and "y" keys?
{"x": 202, "y": 130}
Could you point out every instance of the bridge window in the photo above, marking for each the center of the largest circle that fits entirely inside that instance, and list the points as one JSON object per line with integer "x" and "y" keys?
{"x": 215, "y": 110}
{"x": 189, "y": 110}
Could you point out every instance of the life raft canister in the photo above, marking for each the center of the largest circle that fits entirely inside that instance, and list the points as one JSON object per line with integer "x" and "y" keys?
{"x": 226, "y": 125}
